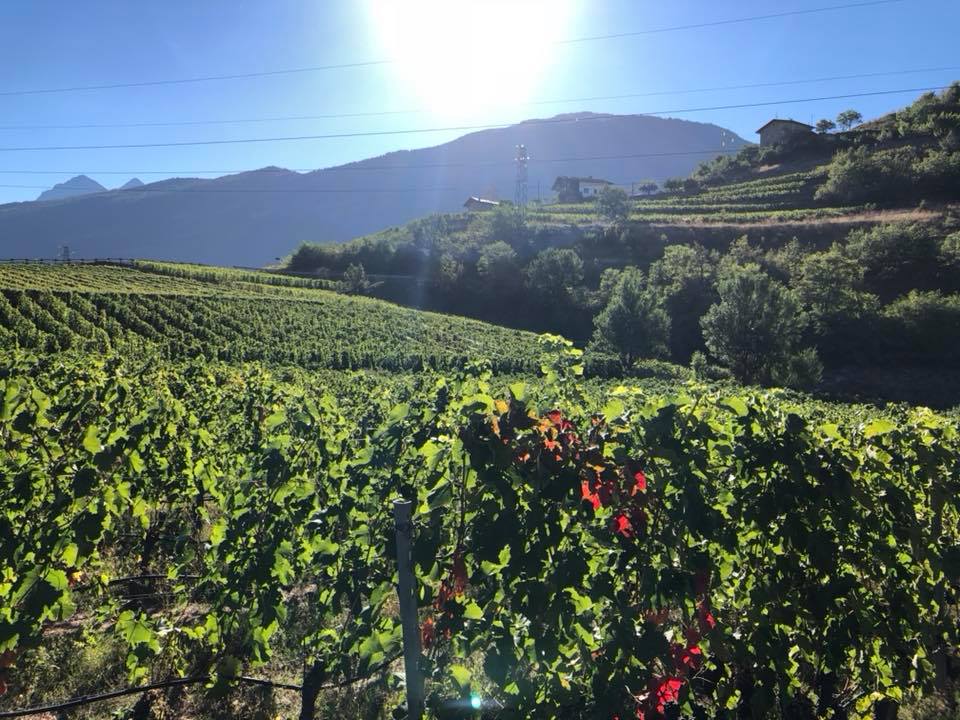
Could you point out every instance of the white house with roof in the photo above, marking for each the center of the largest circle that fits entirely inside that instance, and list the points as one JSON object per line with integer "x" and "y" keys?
{"x": 572, "y": 189}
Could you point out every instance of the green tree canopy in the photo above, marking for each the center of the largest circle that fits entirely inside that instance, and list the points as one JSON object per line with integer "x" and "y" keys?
{"x": 824, "y": 126}
{"x": 830, "y": 284}
{"x": 755, "y": 328}
{"x": 613, "y": 204}
{"x": 896, "y": 257}
{"x": 848, "y": 118}
{"x": 684, "y": 280}
{"x": 556, "y": 271}
{"x": 355, "y": 279}
{"x": 497, "y": 267}
{"x": 633, "y": 324}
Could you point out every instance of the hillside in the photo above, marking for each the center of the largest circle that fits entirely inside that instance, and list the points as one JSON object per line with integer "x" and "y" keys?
{"x": 251, "y": 218}
{"x": 235, "y": 316}
{"x": 858, "y": 232}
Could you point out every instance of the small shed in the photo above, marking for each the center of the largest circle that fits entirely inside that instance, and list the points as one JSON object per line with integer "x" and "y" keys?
{"x": 777, "y": 131}
{"x": 574, "y": 189}
{"x": 474, "y": 203}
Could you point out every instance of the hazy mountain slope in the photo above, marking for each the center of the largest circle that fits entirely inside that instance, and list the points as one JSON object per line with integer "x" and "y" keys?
{"x": 131, "y": 183}
{"x": 74, "y": 187}
{"x": 251, "y": 218}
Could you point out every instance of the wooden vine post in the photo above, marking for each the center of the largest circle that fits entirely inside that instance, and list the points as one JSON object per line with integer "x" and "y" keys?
{"x": 406, "y": 589}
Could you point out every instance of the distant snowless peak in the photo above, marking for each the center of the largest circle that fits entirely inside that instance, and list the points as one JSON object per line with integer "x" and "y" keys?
{"x": 79, "y": 185}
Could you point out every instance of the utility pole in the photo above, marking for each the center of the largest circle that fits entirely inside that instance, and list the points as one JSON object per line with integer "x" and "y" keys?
{"x": 520, "y": 194}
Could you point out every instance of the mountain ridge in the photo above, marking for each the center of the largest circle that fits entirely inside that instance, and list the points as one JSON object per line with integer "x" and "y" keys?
{"x": 74, "y": 187}
{"x": 251, "y": 218}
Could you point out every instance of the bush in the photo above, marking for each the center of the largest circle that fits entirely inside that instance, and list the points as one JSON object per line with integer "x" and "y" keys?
{"x": 802, "y": 371}
{"x": 923, "y": 327}
{"x": 950, "y": 251}
{"x": 939, "y": 173}
{"x": 857, "y": 175}
{"x": 703, "y": 370}
{"x": 896, "y": 257}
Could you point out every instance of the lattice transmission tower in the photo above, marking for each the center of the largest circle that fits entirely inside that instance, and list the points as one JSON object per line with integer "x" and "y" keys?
{"x": 520, "y": 194}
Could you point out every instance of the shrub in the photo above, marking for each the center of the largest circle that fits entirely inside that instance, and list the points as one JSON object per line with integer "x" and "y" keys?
{"x": 858, "y": 175}
{"x": 896, "y": 257}
{"x": 802, "y": 370}
{"x": 924, "y": 327}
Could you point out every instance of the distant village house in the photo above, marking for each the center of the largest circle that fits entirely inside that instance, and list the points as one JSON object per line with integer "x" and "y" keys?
{"x": 475, "y": 204}
{"x": 574, "y": 189}
{"x": 779, "y": 131}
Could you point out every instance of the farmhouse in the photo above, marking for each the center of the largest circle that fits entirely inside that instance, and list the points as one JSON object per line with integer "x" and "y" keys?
{"x": 778, "y": 131}
{"x": 474, "y": 203}
{"x": 573, "y": 189}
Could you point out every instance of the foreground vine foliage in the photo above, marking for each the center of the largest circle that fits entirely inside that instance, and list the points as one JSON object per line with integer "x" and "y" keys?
{"x": 579, "y": 553}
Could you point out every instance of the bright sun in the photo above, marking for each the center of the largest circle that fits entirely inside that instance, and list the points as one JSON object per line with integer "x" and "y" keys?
{"x": 463, "y": 58}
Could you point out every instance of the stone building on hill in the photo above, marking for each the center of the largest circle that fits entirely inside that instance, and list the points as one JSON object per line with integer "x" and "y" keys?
{"x": 779, "y": 131}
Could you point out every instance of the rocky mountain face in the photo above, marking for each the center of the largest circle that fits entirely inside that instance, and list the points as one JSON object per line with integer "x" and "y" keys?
{"x": 253, "y": 217}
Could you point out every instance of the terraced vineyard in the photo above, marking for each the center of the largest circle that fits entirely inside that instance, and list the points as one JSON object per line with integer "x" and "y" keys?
{"x": 777, "y": 198}
{"x": 236, "y": 318}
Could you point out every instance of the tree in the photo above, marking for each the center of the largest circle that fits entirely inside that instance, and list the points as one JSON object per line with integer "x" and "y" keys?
{"x": 633, "y": 324}
{"x": 825, "y": 126}
{"x": 647, "y": 187}
{"x": 755, "y": 328}
{"x": 448, "y": 271}
{"x": 848, "y": 118}
{"x": 896, "y": 257}
{"x": 613, "y": 204}
{"x": 554, "y": 272}
{"x": 684, "y": 279}
{"x": 506, "y": 224}
{"x": 355, "y": 279}
{"x": 497, "y": 266}
{"x": 842, "y": 315}
{"x": 673, "y": 184}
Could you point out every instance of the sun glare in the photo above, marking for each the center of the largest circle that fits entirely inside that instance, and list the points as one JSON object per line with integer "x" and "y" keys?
{"x": 462, "y": 58}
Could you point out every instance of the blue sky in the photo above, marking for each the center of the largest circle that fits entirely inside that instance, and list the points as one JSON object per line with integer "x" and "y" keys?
{"x": 446, "y": 65}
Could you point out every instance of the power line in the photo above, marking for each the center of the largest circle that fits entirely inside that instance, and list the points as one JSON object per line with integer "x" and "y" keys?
{"x": 345, "y": 191}
{"x": 373, "y": 63}
{"x": 385, "y": 113}
{"x": 357, "y": 167}
{"x": 735, "y": 21}
{"x": 724, "y": 151}
{"x": 456, "y": 128}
